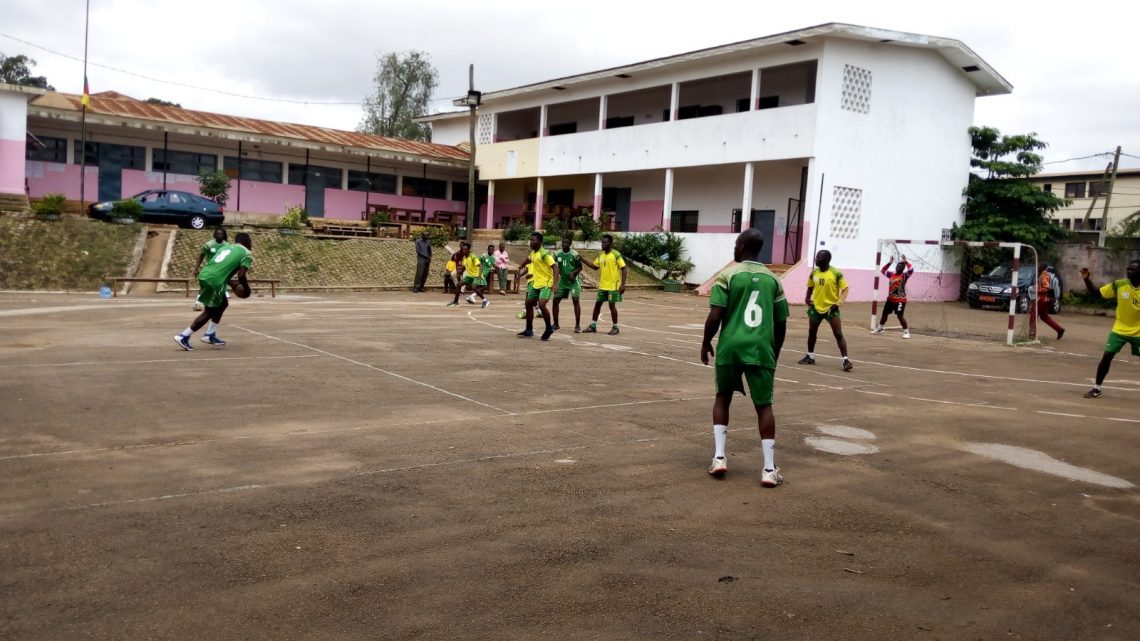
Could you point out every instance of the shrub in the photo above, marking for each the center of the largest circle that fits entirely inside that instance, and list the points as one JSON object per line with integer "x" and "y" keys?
{"x": 438, "y": 236}
{"x": 517, "y": 231}
{"x": 589, "y": 230}
{"x": 551, "y": 239}
{"x": 1084, "y": 298}
{"x": 214, "y": 185}
{"x": 50, "y": 204}
{"x": 379, "y": 216}
{"x": 127, "y": 208}
{"x": 555, "y": 227}
{"x": 295, "y": 217}
{"x": 660, "y": 249}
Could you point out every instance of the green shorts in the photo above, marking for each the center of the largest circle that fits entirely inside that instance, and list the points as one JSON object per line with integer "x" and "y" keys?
{"x": 539, "y": 293}
{"x": 571, "y": 289}
{"x": 818, "y": 317}
{"x": 761, "y": 381}
{"x": 1116, "y": 342}
{"x": 475, "y": 280}
{"x": 609, "y": 296}
{"x": 211, "y": 295}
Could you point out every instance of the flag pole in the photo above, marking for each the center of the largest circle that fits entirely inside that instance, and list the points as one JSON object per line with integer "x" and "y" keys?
{"x": 83, "y": 118}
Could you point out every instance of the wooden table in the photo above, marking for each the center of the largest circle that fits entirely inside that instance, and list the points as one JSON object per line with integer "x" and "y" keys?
{"x": 372, "y": 208}
{"x": 406, "y": 215}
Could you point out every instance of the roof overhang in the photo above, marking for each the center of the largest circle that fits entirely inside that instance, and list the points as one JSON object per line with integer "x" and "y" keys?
{"x": 984, "y": 77}
{"x": 30, "y": 92}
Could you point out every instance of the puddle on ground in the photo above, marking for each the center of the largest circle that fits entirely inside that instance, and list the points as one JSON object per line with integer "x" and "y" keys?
{"x": 844, "y": 431}
{"x": 1041, "y": 462}
{"x": 844, "y": 448}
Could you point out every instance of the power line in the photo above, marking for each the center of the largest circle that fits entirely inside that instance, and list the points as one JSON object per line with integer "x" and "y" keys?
{"x": 179, "y": 84}
{"x": 1101, "y": 154}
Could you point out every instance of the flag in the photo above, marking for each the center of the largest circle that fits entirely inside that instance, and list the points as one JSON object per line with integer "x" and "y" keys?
{"x": 86, "y": 93}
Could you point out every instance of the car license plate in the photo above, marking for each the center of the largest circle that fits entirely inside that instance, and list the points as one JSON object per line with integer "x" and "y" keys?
{"x": 988, "y": 299}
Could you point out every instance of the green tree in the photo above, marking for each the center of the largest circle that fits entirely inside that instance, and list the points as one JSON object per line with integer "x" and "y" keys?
{"x": 1002, "y": 204}
{"x": 162, "y": 103}
{"x": 16, "y": 70}
{"x": 404, "y": 83}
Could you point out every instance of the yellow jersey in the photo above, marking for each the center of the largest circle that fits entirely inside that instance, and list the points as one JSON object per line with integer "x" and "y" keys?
{"x": 542, "y": 269}
{"x": 609, "y": 270}
{"x": 1127, "y": 306}
{"x": 472, "y": 266}
{"x": 826, "y": 286}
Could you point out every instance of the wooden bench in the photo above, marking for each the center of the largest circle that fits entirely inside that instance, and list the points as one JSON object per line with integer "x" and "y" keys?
{"x": 343, "y": 230}
{"x": 272, "y": 282}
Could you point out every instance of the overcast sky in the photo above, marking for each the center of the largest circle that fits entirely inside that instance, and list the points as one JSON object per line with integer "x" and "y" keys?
{"x": 1072, "y": 66}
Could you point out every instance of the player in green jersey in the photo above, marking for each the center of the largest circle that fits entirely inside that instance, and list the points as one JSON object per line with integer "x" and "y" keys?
{"x": 569, "y": 267}
{"x": 212, "y": 281}
{"x": 208, "y": 250}
{"x": 748, "y": 307}
{"x": 543, "y": 280}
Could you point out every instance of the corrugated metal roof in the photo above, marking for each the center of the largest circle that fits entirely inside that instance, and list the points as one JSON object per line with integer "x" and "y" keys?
{"x": 110, "y": 103}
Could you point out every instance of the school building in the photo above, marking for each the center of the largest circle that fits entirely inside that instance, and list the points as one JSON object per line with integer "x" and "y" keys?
{"x": 830, "y": 137}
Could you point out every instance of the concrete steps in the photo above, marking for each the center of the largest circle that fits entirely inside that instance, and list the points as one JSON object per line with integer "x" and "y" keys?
{"x": 14, "y": 204}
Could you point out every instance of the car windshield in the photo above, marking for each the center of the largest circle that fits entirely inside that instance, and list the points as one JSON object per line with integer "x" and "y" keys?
{"x": 1001, "y": 271}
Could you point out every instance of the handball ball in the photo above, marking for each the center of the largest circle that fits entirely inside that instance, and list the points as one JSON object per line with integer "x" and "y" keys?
{"x": 240, "y": 291}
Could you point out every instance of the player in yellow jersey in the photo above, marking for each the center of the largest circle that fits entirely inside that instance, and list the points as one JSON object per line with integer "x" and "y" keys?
{"x": 826, "y": 291}
{"x": 611, "y": 283}
{"x": 1126, "y": 329}
{"x": 543, "y": 282}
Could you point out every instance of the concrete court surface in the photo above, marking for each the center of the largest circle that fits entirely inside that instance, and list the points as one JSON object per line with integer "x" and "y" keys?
{"x": 376, "y": 466}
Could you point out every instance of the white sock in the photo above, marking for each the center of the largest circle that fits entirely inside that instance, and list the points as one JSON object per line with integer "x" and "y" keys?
{"x": 1096, "y": 387}
{"x": 811, "y": 354}
{"x": 187, "y": 333}
{"x": 211, "y": 328}
{"x": 720, "y": 436}
{"x": 846, "y": 358}
{"x": 769, "y": 444}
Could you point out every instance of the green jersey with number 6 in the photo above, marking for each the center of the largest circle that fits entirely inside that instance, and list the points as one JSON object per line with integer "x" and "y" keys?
{"x": 224, "y": 263}
{"x": 753, "y": 300}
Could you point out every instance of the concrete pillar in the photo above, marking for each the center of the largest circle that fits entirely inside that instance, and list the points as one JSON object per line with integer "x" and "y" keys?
{"x": 490, "y": 205}
{"x": 13, "y": 138}
{"x": 746, "y": 203}
{"x": 754, "y": 97}
{"x": 542, "y": 115}
{"x": 602, "y": 107}
{"x": 597, "y": 197}
{"x": 674, "y": 100}
{"x": 538, "y": 204}
{"x": 667, "y": 210}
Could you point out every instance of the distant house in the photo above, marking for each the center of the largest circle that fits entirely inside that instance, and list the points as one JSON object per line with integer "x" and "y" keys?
{"x": 1083, "y": 187}
{"x": 829, "y": 137}
{"x": 133, "y": 146}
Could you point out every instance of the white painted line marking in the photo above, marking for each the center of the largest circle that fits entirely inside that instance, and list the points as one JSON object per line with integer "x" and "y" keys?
{"x": 824, "y": 386}
{"x": 1061, "y": 413}
{"x": 863, "y": 391}
{"x": 1041, "y": 462}
{"x": 188, "y": 359}
{"x": 1125, "y": 420}
{"x": 373, "y": 367}
{"x": 987, "y": 376}
{"x": 982, "y": 405}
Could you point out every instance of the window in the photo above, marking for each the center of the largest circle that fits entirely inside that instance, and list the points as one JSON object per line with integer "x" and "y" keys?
{"x": 425, "y": 187}
{"x": 124, "y": 156}
{"x": 326, "y": 177}
{"x": 684, "y": 221}
{"x": 1098, "y": 189}
{"x": 459, "y": 192}
{"x": 617, "y": 122}
{"x": 47, "y": 149}
{"x": 741, "y": 105}
{"x": 1067, "y": 223}
{"x": 1075, "y": 190}
{"x": 1048, "y": 188}
{"x": 563, "y": 128}
{"x": 267, "y": 171}
{"x": 691, "y": 111}
{"x": 376, "y": 183}
{"x": 183, "y": 162}
{"x": 177, "y": 199}
{"x": 560, "y": 197}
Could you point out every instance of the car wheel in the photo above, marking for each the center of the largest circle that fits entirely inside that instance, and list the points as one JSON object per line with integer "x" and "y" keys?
{"x": 197, "y": 222}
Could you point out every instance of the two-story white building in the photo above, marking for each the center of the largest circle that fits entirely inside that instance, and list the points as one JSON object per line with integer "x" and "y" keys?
{"x": 830, "y": 137}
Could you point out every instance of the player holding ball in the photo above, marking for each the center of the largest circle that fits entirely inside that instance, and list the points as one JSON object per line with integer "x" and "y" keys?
{"x": 229, "y": 261}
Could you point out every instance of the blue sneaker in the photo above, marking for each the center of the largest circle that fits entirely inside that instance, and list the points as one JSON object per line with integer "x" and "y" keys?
{"x": 213, "y": 340}
{"x": 184, "y": 342}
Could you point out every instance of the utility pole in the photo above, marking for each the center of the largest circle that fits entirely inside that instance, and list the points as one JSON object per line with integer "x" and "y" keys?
{"x": 473, "y": 100}
{"x": 1092, "y": 204}
{"x": 1108, "y": 198}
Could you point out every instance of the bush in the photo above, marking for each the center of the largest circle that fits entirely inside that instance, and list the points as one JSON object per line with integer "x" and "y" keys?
{"x": 127, "y": 208}
{"x": 1084, "y": 298}
{"x": 50, "y": 204}
{"x": 660, "y": 249}
{"x": 215, "y": 186}
{"x": 551, "y": 239}
{"x": 379, "y": 216}
{"x": 589, "y": 230}
{"x": 438, "y": 236}
{"x": 295, "y": 217}
{"x": 518, "y": 231}
{"x": 555, "y": 227}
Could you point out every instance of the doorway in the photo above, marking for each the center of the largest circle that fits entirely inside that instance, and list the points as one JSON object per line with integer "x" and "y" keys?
{"x": 617, "y": 200}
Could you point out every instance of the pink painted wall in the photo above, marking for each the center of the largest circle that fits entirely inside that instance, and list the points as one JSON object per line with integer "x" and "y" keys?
{"x": 265, "y": 198}
{"x": 507, "y": 209}
{"x": 58, "y": 178}
{"x": 340, "y": 203}
{"x": 714, "y": 229}
{"x": 344, "y": 203}
{"x": 135, "y": 181}
{"x": 12, "y": 169}
{"x": 644, "y": 215}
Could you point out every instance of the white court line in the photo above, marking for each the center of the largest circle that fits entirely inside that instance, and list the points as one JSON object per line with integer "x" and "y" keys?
{"x": 163, "y": 360}
{"x": 373, "y": 367}
{"x": 982, "y": 405}
{"x": 1062, "y": 414}
{"x": 863, "y": 391}
{"x": 825, "y": 386}
{"x": 32, "y": 311}
{"x": 989, "y": 376}
{"x": 1124, "y": 420}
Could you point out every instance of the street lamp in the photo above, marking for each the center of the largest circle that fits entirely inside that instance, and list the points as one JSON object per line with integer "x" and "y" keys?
{"x": 472, "y": 100}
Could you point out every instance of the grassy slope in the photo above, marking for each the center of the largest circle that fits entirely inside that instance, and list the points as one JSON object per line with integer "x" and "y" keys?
{"x": 70, "y": 254}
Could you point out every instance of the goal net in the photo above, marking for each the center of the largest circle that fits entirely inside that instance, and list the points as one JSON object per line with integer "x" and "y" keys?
{"x": 961, "y": 289}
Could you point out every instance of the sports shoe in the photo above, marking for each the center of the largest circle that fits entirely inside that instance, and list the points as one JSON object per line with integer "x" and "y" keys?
{"x": 184, "y": 343}
{"x": 906, "y": 333}
{"x": 719, "y": 467}
{"x": 486, "y": 302}
{"x": 471, "y": 299}
{"x": 806, "y": 360}
{"x": 614, "y": 332}
{"x": 546, "y": 334}
{"x": 771, "y": 478}
{"x": 453, "y": 304}
{"x": 847, "y": 366}
{"x": 590, "y": 330}
{"x": 1093, "y": 393}
{"x": 556, "y": 327}
{"x": 197, "y": 307}
{"x": 1060, "y": 333}
{"x": 502, "y": 293}
{"x": 877, "y": 330}
{"x": 213, "y": 340}
{"x": 526, "y": 333}
{"x": 577, "y": 329}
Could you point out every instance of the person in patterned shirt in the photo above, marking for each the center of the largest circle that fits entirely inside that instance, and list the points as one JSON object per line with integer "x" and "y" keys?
{"x": 748, "y": 307}
{"x": 569, "y": 267}
{"x": 896, "y": 294}
{"x": 1126, "y": 329}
